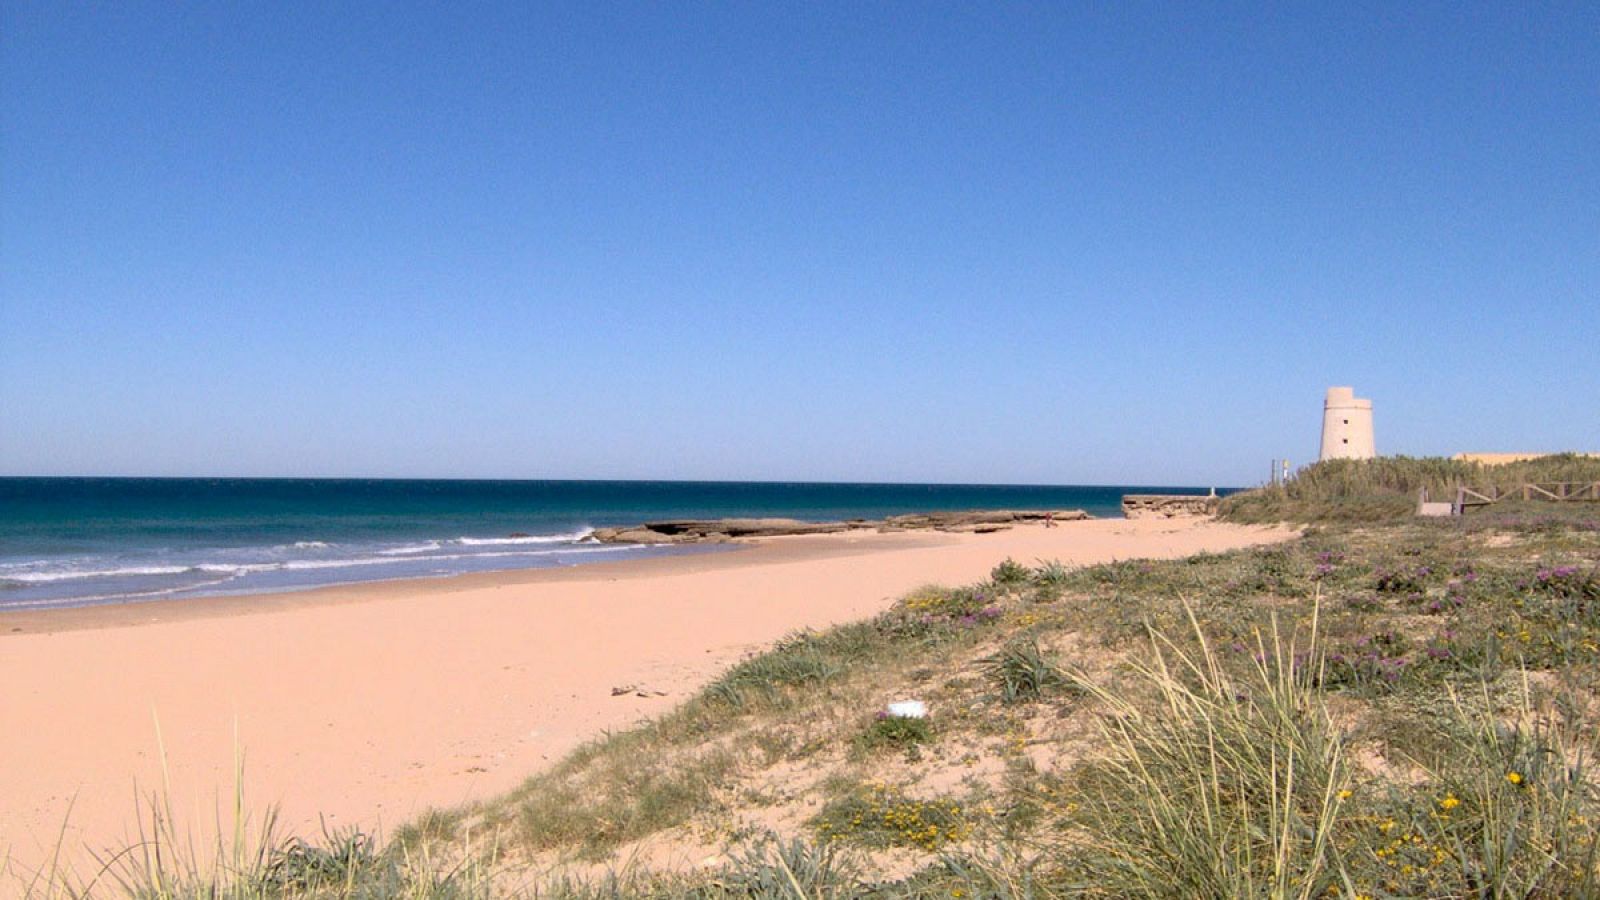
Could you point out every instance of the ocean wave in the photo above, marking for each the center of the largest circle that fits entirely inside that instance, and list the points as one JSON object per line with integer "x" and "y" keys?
{"x": 295, "y": 565}
{"x": 231, "y": 574}
{"x": 447, "y": 557}
{"x": 124, "y": 597}
{"x": 410, "y": 549}
{"x": 571, "y": 537}
{"x": 235, "y": 568}
{"x": 310, "y": 545}
{"x": 395, "y": 556}
{"x": 70, "y": 574}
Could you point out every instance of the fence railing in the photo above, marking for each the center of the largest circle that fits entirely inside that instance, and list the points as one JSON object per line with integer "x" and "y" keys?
{"x": 1555, "y": 491}
{"x": 1548, "y": 491}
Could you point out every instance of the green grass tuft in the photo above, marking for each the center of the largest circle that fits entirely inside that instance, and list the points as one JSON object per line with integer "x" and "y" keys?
{"x": 1022, "y": 672}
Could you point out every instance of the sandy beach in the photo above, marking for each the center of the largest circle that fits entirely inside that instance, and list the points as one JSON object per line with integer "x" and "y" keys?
{"x": 368, "y": 704}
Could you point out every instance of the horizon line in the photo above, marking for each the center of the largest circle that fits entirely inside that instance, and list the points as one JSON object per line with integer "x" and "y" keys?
{"x": 1018, "y": 484}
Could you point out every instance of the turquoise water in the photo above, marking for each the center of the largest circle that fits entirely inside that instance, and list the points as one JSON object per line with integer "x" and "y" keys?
{"x": 75, "y": 541}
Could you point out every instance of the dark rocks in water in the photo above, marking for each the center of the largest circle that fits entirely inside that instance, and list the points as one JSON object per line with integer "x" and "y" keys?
{"x": 519, "y": 534}
{"x": 702, "y": 531}
{"x": 941, "y": 521}
{"x": 637, "y": 535}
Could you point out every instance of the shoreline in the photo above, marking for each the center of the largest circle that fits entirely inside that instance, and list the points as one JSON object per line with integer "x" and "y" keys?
{"x": 650, "y": 539}
{"x": 52, "y": 620}
{"x": 370, "y": 703}
{"x": 126, "y": 613}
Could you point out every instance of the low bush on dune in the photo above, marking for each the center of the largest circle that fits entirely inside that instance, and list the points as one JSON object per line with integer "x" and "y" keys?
{"x": 1023, "y": 672}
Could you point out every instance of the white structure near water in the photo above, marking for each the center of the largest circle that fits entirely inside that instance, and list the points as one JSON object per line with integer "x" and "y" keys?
{"x": 1346, "y": 426}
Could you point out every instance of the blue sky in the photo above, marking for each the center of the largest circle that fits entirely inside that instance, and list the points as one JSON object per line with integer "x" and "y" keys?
{"x": 1054, "y": 243}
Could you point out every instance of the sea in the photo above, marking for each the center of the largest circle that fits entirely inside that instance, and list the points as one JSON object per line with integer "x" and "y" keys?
{"x": 85, "y": 541}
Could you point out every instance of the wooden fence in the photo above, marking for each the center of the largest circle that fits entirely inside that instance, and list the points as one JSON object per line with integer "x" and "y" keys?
{"x": 1549, "y": 491}
{"x": 1557, "y": 491}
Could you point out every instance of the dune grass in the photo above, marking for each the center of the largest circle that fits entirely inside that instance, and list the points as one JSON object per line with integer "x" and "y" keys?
{"x": 1385, "y": 489}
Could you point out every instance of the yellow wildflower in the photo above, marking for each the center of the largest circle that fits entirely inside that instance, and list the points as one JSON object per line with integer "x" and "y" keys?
{"x": 1514, "y": 777}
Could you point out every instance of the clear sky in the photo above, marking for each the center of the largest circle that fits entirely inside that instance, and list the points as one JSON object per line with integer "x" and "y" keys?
{"x": 1050, "y": 243}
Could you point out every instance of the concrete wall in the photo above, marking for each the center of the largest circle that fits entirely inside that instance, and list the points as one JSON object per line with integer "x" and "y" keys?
{"x": 1347, "y": 426}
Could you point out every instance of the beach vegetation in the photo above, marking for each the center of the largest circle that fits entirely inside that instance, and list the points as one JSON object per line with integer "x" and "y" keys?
{"x": 1385, "y": 489}
{"x": 1022, "y": 672}
{"x": 1050, "y": 572}
{"x": 1010, "y": 573}
{"x": 612, "y": 798}
{"x": 799, "y": 659}
{"x": 889, "y": 732}
{"x": 879, "y": 815}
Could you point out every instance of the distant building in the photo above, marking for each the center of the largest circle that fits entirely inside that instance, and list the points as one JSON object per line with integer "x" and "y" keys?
{"x": 1500, "y": 459}
{"x": 1346, "y": 426}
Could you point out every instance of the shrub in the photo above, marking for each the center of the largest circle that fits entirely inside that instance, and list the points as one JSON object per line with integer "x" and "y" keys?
{"x": 796, "y": 660}
{"x": 1021, "y": 671}
{"x": 880, "y": 816}
{"x": 1010, "y": 573}
{"x": 794, "y": 870}
{"x": 1051, "y": 573}
{"x": 895, "y": 733}
{"x": 1509, "y": 813}
{"x": 344, "y": 858}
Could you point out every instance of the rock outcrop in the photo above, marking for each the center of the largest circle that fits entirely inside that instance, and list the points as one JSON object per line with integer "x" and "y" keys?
{"x": 1167, "y": 506}
{"x": 700, "y": 531}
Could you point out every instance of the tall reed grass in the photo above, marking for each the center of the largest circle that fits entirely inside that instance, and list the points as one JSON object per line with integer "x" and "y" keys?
{"x": 1217, "y": 786}
{"x": 1386, "y": 488}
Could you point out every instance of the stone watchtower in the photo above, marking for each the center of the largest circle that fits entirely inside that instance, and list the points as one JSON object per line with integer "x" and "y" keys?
{"x": 1346, "y": 426}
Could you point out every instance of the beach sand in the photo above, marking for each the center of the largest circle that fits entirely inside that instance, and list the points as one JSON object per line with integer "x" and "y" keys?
{"x": 368, "y": 704}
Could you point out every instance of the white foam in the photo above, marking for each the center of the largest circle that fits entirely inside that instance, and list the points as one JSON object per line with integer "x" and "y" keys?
{"x": 237, "y": 568}
{"x": 134, "y": 597}
{"x": 383, "y": 557}
{"x": 444, "y": 557}
{"x": 45, "y": 577}
{"x": 571, "y": 537}
{"x": 297, "y": 564}
{"x": 412, "y": 548}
